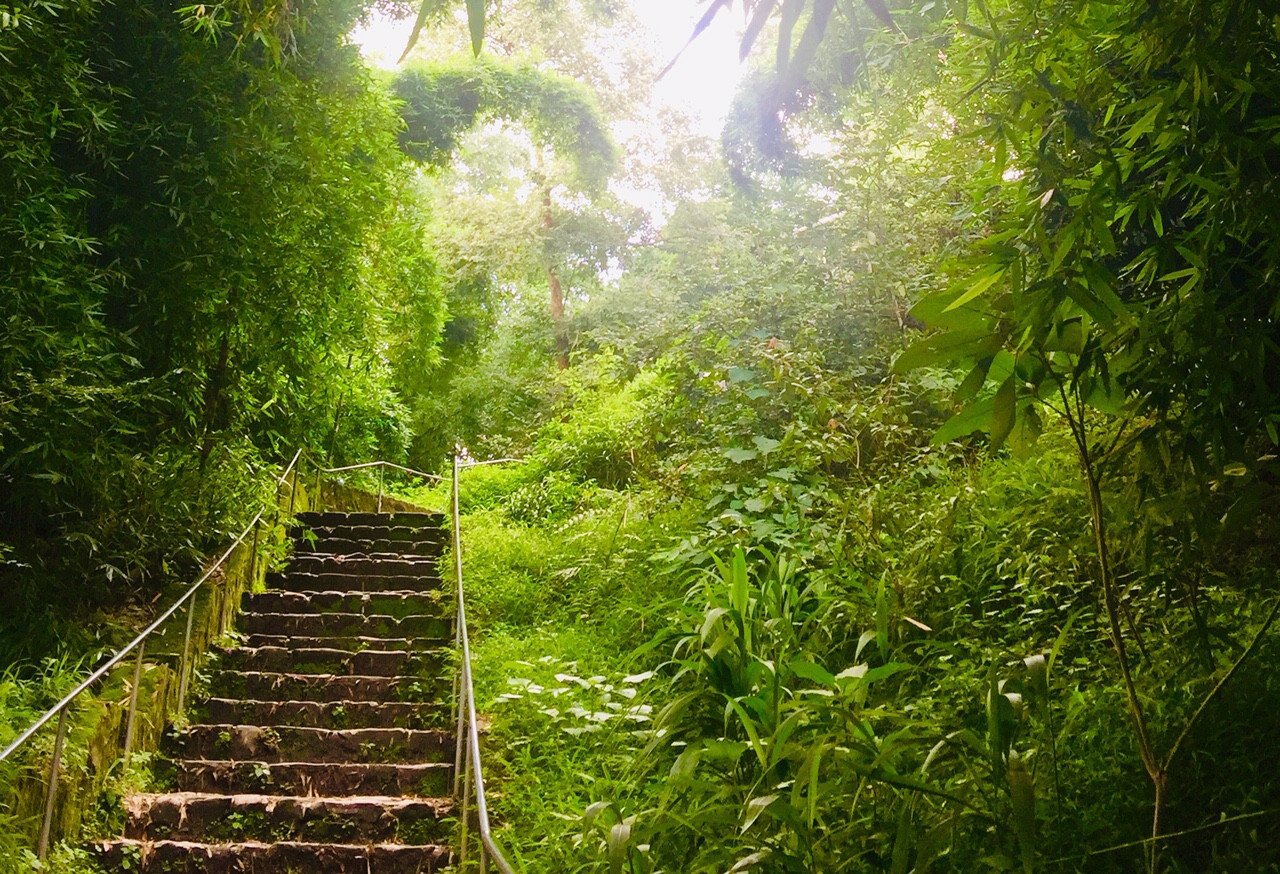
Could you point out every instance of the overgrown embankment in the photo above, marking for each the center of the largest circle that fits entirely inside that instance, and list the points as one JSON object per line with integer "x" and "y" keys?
{"x": 798, "y": 633}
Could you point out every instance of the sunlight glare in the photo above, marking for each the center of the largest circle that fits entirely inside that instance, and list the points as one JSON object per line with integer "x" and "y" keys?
{"x": 700, "y": 85}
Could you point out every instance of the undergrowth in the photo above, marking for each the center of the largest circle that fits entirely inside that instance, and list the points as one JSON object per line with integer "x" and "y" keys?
{"x": 834, "y": 647}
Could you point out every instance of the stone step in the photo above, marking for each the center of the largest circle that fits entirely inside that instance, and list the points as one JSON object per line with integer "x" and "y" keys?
{"x": 323, "y": 714}
{"x": 286, "y": 743}
{"x": 284, "y": 659}
{"x": 341, "y": 624}
{"x": 361, "y": 819}
{"x": 424, "y": 545}
{"x": 381, "y": 565}
{"x": 182, "y": 857}
{"x": 266, "y": 686}
{"x": 404, "y": 603}
{"x": 398, "y": 533}
{"x": 417, "y": 645}
{"x": 422, "y": 779}
{"x": 321, "y": 519}
{"x": 366, "y": 556}
{"x": 295, "y": 581}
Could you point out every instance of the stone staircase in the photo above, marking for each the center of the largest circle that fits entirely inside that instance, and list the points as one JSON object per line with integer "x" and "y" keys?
{"x": 324, "y": 747}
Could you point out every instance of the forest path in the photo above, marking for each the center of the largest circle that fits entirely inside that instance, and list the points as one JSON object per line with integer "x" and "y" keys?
{"x": 324, "y": 746}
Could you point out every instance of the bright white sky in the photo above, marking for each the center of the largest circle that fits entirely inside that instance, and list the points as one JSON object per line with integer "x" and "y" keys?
{"x": 701, "y": 85}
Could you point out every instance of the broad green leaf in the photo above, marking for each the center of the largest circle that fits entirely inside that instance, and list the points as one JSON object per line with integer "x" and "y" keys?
{"x": 884, "y": 672}
{"x": 932, "y": 310}
{"x": 749, "y": 861}
{"x": 976, "y": 416}
{"x": 1026, "y": 431}
{"x": 749, "y": 726}
{"x": 903, "y": 841}
{"x": 619, "y": 837}
{"x": 1066, "y": 336}
{"x": 755, "y": 807}
{"x": 815, "y": 770}
{"x": 865, "y": 638}
{"x": 1106, "y": 397}
{"x": 739, "y": 586}
{"x": 812, "y": 672}
{"x": 948, "y": 349}
{"x": 722, "y": 750}
{"x": 741, "y": 374}
{"x": 856, "y": 672}
{"x": 740, "y": 455}
{"x": 1004, "y": 411}
{"x": 765, "y": 444}
{"x": 1144, "y": 125}
{"x": 972, "y": 384}
{"x": 976, "y": 289}
{"x": 1022, "y": 796}
{"x": 598, "y": 807}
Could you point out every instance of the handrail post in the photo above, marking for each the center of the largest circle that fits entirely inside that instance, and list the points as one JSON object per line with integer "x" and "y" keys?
{"x": 133, "y": 704}
{"x": 46, "y": 827}
{"x": 185, "y": 670}
{"x": 381, "y": 472}
{"x": 457, "y": 640}
{"x": 253, "y": 553}
{"x": 293, "y": 489}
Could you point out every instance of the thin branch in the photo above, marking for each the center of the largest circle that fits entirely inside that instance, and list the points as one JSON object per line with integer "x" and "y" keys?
{"x": 1195, "y": 717}
{"x": 1168, "y": 835}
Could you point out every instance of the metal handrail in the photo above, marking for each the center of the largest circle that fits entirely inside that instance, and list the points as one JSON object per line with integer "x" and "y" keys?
{"x": 382, "y": 466}
{"x": 60, "y": 709}
{"x": 467, "y": 708}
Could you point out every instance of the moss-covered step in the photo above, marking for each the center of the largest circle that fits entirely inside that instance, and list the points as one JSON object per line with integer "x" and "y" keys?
{"x": 426, "y": 543}
{"x": 294, "y": 581}
{"x": 423, "y": 519}
{"x": 342, "y": 624}
{"x": 405, "y": 603}
{"x": 350, "y": 644}
{"x": 282, "y": 857}
{"x": 382, "y": 662}
{"x": 423, "y": 779}
{"x": 379, "y": 565}
{"x": 400, "y": 533}
{"x": 268, "y": 686}
{"x": 322, "y": 714}
{"x": 365, "y": 819}
{"x": 288, "y": 743}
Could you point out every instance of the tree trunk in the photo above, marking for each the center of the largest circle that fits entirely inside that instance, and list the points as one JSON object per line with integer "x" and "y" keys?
{"x": 557, "y": 292}
{"x": 213, "y": 396}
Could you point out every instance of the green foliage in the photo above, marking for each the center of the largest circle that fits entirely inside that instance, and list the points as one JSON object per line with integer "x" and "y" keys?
{"x": 214, "y": 256}
{"x": 442, "y": 101}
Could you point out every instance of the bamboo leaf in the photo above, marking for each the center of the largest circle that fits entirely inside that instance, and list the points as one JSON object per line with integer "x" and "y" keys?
{"x": 619, "y": 837}
{"x": 428, "y": 10}
{"x": 1004, "y": 411}
{"x": 475, "y": 21}
{"x": 975, "y": 290}
{"x": 755, "y": 807}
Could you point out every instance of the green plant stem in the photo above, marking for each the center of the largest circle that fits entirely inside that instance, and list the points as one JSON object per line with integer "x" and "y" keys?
{"x": 1075, "y": 416}
{"x": 1204, "y": 704}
